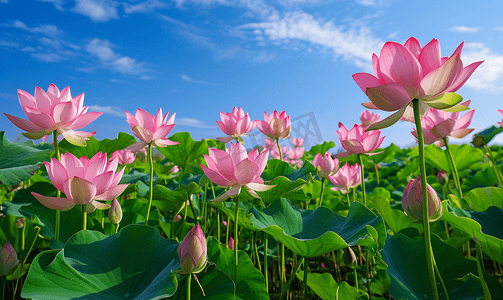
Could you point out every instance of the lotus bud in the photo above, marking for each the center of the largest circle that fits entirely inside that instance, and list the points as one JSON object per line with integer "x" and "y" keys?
{"x": 297, "y": 142}
{"x": 326, "y": 165}
{"x": 192, "y": 251}
{"x": 412, "y": 202}
{"x": 20, "y": 223}
{"x": 115, "y": 212}
{"x": 8, "y": 260}
{"x": 349, "y": 257}
{"x": 231, "y": 244}
{"x": 442, "y": 177}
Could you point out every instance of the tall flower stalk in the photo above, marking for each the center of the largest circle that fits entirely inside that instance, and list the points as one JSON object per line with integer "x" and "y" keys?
{"x": 58, "y": 192}
{"x": 454, "y": 169}
{"x": 151, "y": 181}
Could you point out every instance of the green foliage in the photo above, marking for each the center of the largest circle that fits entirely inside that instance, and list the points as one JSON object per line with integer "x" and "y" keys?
{"x": 188, "y": 154}
{"x": 94, "y": 146}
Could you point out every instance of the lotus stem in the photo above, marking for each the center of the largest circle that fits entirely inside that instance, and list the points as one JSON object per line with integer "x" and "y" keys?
{"x": 496, "y": 170}
{"x": 454, "y": 169}
{"x": 193, "y": 210}
{"x": 283, "y": 275}
{"x": 480, "y": 267}
{"x": 426, "y": 221}
{"x": 58, "y": 192}
{"x": 356, "y": 278}
{"x": 266, "y": 275}
{"x": 442, "y": 284}
{"x": 279, "y": 149}
{"x": 84, "y": 217}
{"x": 367, "y": 269}
{"x": 32, "y": 244}
{"x": 116, "y": 228}
{"x": 377, "y": 172}
{"x": 322, "y": 188}
{"x": 236, "y": 243}
{"x": 306, "y": 270}
{"x": 189, "y": 278}
{"x": 255, "y": 248}
{"x": 297, "y": 267}
{"x": 227, "y": 229}
{"x": 205, "y": 206}
{"x": 151, "y": 191}
{"x": 363, "y": 179}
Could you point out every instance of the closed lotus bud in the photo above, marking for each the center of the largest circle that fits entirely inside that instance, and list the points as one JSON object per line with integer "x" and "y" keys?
{"x": 442, "y": 177}
{"x": 412, "y": 202}
{"x": 115, "y": 212}
{"x": 192, "y": 251}
{"x": 8, "y": 260}
{"x": 349, "y": 257}
{"x": 231, "y": 244}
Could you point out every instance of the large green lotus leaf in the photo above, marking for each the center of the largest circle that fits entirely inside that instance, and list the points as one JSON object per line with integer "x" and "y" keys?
{"x": 482, "y": 178}
{"x": 186, "y": 153}
{"x": 94, "y": 146}
{"x": 406, "y": 258}
{"x": 136, "y": 263}
{"x": 396, "y": 219}
{"x": 486, "y": 226}
{"x": 324, "y": 285}
{"x": 313, "y": 233}
{"x": 489, "y": 133}
{"x": 388, "y": 154}
{"x": 19, "y": 161}
{"x": 228, "y": 207}
{"x": 176, "y": 192}
{"x": 275, "y": 168}
{"x": 286, "y": 189}
{"x": 482, "y": 198}
{"x": 321, "y": 148}
{"x": 463, "y": 155}
{"x": 216, "y": 284}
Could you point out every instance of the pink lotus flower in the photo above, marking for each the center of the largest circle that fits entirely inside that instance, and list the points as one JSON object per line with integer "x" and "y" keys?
{"x": 297, "y": 142}
{"x": 231, "y": 243}
{"x": 346, "y": 177}
{"x": 276, "y": 126}
{"x": 125, "y": 156}
{"x": 8, "y": 260}
{"x": 235, "y": 168}
{"x": 326, "y": 165}
{"x": 83, "y": 181}
{"x": 295, "y": 155}
{"x": 54, "y": 111}
{"x": 406, "y": 72}
{"x": 438, "y": 125}
{"x": 115, "y": 212}
{"x": 412, "y": 202}
{"x": 193, "y": 251}
{"x": 368, "y": 118}
{"x": 501, "y": 113}
{"x": 148, "y": 128}
{"x": 234, "y": 124}
{"x": 270, "y": 144}
{"x": 358, "y": 141}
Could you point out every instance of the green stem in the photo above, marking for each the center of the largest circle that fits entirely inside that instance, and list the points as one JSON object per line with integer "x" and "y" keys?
{"x": 496, "y": 170}
{"x": 58, "y": 192}
{"x": 151, "y": 191}
{"x": 377, "y": 172}
{"x": 84, "y": 217}
{"x": 283, "y": 279}
{"x": 322, "y": 188}
{"x": 193, "y": 210}
{"x": 266, "y": 275}
{"x": 236, "y": 243}
{"x": 367, "y": 269}
{"x": 442, "y": 284}
{"x": 189, "y": 278}
{"x": 306, "y": 270}
{"x": 349, "y": 200}
{"x": 426, "y": 221}
{"x": 32, "y": 244}
{"x": 354, "y": 194}
{"x": 205, "y": 209}
{"x": 454, "y": 169}
{"x": 279, "y": 149}
{"x": 227, "y": 229}
{"x": 116, "y": 228}
{"x": 480, "y": 267}
{"x": 363, "y": 179}
{"x": 297, "y": 267}
{"x": 356, "y": 278}
{"x": 256, "y": 251}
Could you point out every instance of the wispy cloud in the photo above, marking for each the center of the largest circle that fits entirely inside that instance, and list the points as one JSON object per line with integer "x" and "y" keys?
{"x": 369, "y": 2}
{"x": 191, "y": 122}
{"x": 465, "y": 29}
{"x": 102, "y": 49}
{"x": 48, "y": 30}
{"x": 143, "y": 7}
{"x": 4, "y": 1}
{"x": 356, "y": 44}
{"x": 146, "y": 77}
{"x": 109, "y": 110}
{"x": 188, "y": 79}
{"x": 488, "y": 75}
{"x": 57, "y": 3}
{"x": 499, "y": 28}
{"x": 97, "y": 10}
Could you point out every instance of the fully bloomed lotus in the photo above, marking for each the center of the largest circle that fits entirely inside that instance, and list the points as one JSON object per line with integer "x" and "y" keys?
{"x": 125, "y": 156}
{"x": 54, "y": 111}
{"x": 150, "y": 129}
{"x": 438, "y": 125}
{"x": 358, "y": 141}
{"x": 83, "y": 181}
{"x": 346, "y": 177}
{"x": 234, "y": 125}
{"x": 235, "y": 168}
{"x": 368, "y": 118}
{"x": 276, "y": 126}
{"x": 406, "y": 72}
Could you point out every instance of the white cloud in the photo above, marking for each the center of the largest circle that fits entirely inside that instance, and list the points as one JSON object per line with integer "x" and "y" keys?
{"x": 47, "y": 57}
{"x": 499, "y": 28}
{"x": 85, "y": 70}
{"x": 97, "y": 10}
{"x": 49, "y": 30}
{"x": 4, "y": 1}
{"x": 127, "y": 65}
{"x": 263, "y": 57}
{"x": 109, "y": 110}
{"x": 54, "y": 43}
{"x": 8, "y": 44}
{"x": 489, "y": 74}
{"x": 146, "y": 77}
{"x": 465, "y": 29}
{"x": 101, "y": 49}
{"x": 356, "y": 44}
{"x": 191, "y": 122}
{"x": 57, "y": 3}
{"x": 188, "y": 79}
{"x": 144, "y": 7}
{"x": 368, "y": 2}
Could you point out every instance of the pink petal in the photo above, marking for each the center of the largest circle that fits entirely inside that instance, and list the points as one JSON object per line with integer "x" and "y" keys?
{"x": 26, "y": 99}
{"x": 72, "y": 164}
{"x": 136, "y": 147}
{"x": 225, "y": 139}
{"x": 234, "y": 190}
{"x": 43, "y": 101}
{"x": 77, "y": 138}
{"x": 263, "y": 126}
{"x": 342, "y": 154}
{"x": 112, "y": 193}
{"x": 369, "y": 105}
{"x": 439, "y": 80}
{"x": 164, "y": 142}
{"x": 463, "y": 77}
{"x": 430, "y": 56}
{"x": 23, "y": 124}
{"x": 80, "y": 190}
{"x": 39, "y": 118}
{"x": 54, "y": 202}
{"x": 84, "y": 120}
{"x": 224, "y": 128}
{"x": 57, "y": 173}
{"x": 371, "y": 142}
{"x": 261, "y": 160}
{"x": 353, "y": 146}
{"x": 388, "y": 97}
{"x": 464, "y": 121}
{"x": 216, "y": 178}
{"x": 460, "y": 133}
{"x": 238, "y": 153}
{"x": 443, "y": 129}
{"x": 414, "y": 47}
{"x": 99, "y": 205}
{"x": 259, "y": 187}
{"x": 143, "y": 134}
{"x": 131, "y": 120}
{"x": 400, "y": 65}
{"x": 103, "y": 182}
{"x": 246, "y": 171}
{"x": 224, "y": 164}
{"x": 366, "y": 80}
{"x": 145, "y": 119}
{"x": 162, "y": 131}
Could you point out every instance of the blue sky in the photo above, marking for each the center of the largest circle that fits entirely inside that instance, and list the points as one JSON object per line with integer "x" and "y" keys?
{"x": 200, "y": 57}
